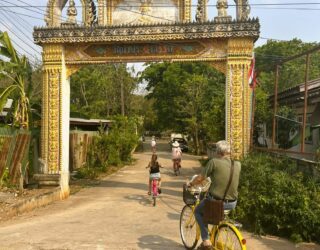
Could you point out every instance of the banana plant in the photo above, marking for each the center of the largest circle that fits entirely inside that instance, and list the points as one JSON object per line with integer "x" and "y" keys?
{"x": 18, "y": 71}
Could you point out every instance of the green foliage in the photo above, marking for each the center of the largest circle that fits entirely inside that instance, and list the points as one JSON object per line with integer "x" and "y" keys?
{"x": 112, "y": 149}
{"x": 17, "y": 70}
{"x": 96, "y": 90}
{"x": 291, "y": 73}
{"x": 275, "y": 198}
{"x": 5, "y": 178}
{"x": 187, "y": 97}
{"x": 318, "y": 155}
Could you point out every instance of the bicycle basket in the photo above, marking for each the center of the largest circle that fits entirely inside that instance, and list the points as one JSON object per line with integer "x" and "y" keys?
{"x": 188, "y": 196}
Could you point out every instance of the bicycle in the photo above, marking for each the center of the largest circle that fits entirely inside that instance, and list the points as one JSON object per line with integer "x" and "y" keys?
{"x": 155, "y": 190}
{"x": 224, "y": 236}
{"x": 176, "y": 166}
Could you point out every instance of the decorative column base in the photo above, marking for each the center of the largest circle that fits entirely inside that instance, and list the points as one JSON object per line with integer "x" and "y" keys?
{"x": 47, "y": 180}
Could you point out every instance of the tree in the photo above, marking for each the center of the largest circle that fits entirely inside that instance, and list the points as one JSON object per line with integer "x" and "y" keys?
{"x": 18, "y": 70}
{"x": 291, "y": 74}
{"x": 184, "y": 99}
{"x": 96, "y": 90}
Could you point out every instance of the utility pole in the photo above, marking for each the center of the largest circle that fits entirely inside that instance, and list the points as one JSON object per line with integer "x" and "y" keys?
{"x": 122, "y": 96}
{"x": 118, "y": 67}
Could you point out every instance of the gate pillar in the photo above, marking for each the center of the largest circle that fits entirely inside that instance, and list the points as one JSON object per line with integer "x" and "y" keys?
{"x": 238, "y": 96}
{"x": 55, "y": 119}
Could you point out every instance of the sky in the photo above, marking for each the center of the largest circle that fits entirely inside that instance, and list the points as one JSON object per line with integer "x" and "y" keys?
{"x": 287, "y": 20}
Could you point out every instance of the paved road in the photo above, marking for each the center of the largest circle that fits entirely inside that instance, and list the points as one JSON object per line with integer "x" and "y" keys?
{"x": 118, "y": 214}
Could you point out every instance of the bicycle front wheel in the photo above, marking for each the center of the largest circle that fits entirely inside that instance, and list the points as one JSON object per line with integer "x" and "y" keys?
{"x": 228, "y": 237}
{"x": 188, "y": 228}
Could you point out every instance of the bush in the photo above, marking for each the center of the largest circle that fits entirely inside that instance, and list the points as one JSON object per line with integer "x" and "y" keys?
{"x": 114, "y": 148}
{"x": 275, "y": 198}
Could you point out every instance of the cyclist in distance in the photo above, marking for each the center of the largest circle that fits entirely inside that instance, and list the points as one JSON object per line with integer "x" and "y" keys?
{"x": 154, "y": 171}
{"x": 153, "y": 144}
{"x": 176, "y": 155}
{"x": 219, "y": 170}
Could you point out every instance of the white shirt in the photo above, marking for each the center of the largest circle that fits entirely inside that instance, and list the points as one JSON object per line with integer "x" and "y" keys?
{"x": 176, "y": 153}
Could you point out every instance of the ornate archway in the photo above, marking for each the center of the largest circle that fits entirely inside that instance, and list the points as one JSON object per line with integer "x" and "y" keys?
{"x": 114, "y": 36}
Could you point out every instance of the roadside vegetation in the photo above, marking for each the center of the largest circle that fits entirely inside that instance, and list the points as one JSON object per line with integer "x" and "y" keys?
{"x": 276, "y": 198}
{"x": 113, "y": 149}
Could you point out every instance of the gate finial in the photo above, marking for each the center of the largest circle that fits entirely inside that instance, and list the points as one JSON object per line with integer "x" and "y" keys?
{"x": 222, "y": 6}
{"x": 72, "y": 12}
{"x": 243, "y": 9}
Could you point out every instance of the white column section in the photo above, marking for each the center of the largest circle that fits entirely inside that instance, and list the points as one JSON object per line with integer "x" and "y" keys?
{"x": 64, "y": 126}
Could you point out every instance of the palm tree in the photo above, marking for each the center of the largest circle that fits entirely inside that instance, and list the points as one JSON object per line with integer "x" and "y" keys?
{"x": 18, "y": 70}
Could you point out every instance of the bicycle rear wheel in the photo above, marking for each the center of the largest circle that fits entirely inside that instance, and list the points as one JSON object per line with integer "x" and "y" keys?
{"x": 154, "y": 191}
{"x": 154, "y": 201}
{"x": 188, "y": 228}
{"x": 228, "y": 237}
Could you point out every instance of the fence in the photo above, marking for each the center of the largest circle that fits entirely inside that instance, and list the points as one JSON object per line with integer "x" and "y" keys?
{"x": 296, "y": 108}
{"x": 14, "y": 149}
{"x": 80, "y": 142}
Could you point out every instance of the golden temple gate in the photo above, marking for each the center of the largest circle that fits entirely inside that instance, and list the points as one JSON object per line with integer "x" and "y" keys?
{"x": 117, "y": 31}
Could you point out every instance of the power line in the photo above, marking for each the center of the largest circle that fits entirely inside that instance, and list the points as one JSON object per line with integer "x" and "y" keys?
{"x": 17, "y": 27}
{"x": 27, "y": 7}
{"x": 193, "y": 5}
{"x": 20, "y": 40}
{"x": 273, "y": 39}
{"x": 21, "y": 14}
{"x": 41, "y": 9}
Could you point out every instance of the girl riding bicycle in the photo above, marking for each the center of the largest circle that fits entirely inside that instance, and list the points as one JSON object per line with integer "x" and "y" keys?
{"x": 154, "y": 166}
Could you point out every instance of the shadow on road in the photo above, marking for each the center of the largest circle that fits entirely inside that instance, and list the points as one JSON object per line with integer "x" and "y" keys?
{"x": 157, "y": 242}
{"x": 141, "y": 199}
{"x": 174, "y": 216}
{"x": 120, "y": 184}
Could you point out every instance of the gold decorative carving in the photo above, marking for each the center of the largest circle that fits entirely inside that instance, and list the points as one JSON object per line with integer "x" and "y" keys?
{"x": 239, "y": 105}
{"x": 102, "y": 12}
{"x": 241, "y": 46}
{"x": 197, "y": 50}
{"x": 53, "y": 16}
{"x": 52, "y": 53}
{"x": 220, "y": 66}
{"x": 71, "y": 69}
{"x": 53, "y": 122}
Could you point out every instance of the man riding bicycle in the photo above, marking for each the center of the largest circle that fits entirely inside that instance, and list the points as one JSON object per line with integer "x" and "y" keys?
{"x": 218, "y": 169}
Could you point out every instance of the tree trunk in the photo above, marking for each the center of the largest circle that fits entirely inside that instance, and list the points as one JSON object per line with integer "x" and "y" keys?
{"x": 197, "y": 140}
